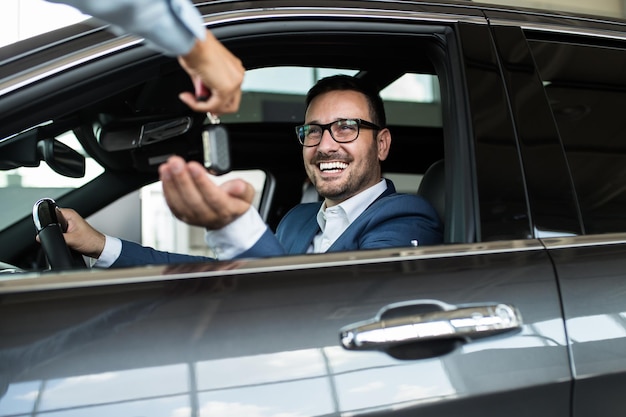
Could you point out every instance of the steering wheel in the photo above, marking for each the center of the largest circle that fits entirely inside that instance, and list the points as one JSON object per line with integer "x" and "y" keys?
{"x": 51, "y": 225}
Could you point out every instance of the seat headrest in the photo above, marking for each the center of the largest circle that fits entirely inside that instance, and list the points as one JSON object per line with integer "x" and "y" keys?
{"x": 433, "y": 187}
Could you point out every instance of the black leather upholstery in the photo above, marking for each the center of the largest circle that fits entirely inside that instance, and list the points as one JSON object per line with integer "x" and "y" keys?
{"x": 433, "y": 187}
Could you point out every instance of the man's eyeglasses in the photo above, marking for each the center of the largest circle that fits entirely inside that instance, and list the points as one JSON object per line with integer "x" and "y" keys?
{"x": 342, "y": 131}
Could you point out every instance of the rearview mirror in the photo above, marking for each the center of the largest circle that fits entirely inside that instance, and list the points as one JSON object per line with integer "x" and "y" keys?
{"x": 61, "y": 158}
{"x": 132, "y": 133}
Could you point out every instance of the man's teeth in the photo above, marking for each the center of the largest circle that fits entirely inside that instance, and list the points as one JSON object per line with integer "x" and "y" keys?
{"x": 329, "y": 166}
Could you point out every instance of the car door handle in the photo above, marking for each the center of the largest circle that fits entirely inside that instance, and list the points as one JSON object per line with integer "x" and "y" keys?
{"x": 427, "y": 321}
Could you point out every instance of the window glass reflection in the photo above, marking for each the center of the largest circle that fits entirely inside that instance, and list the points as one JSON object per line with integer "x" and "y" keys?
{"x": 594, "y": 328}
{"x": 260, "y": 369}
{"x": 393, "y": 386}
{"x": 19, "y": 398}
{"x": 115, "y": 386}
{"x": 306, "y": 397}
{"x": 177, "y": 406}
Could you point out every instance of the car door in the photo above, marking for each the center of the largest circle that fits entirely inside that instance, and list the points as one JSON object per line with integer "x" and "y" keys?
{"x": 491, "y": 259}
{"x": 584, "y": 83}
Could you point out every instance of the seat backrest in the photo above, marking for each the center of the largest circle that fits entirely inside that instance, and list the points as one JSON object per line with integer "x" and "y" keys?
{"x": 433, "y": 187}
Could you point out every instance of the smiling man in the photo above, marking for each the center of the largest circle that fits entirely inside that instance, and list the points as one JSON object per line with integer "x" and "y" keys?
{"x": 344, "y": 140}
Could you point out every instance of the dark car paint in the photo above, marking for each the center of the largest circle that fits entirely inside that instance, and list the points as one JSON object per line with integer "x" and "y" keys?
{"x": 232, "y": 321}
{"x": 264, "y": 334}
{"x": 591, "y": 269}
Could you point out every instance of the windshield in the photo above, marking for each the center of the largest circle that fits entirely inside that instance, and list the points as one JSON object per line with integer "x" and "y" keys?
{"x": 20, "y": 188}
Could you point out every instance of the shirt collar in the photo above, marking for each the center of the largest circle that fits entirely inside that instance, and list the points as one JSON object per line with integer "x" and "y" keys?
{"x": 355, "y": 205}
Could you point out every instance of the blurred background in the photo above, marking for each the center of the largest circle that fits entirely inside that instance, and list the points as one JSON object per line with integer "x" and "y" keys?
{"x": 21, "y": 19}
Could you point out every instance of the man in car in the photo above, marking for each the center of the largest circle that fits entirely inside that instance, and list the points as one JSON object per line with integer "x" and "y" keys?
{"x": 344, "y": 142}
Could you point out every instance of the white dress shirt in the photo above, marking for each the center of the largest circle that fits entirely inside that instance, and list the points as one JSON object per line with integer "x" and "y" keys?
{"x": 335, "y": 220}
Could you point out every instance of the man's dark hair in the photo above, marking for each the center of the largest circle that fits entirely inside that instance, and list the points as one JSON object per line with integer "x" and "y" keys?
{"x": 347, "y": 82}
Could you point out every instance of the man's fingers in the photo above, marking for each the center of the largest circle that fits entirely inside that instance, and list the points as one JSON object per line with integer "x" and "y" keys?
{"x": 240, "y": 189}
{"x": 216, "y": 73}
{"x": 81, "y": 236}
{"x": 191, "y": 195}
{"x": 216, "y": 201}
{"x": 195, "y": 199}
{"x": 179, "y": 189}
{"x": 215, "y": 104}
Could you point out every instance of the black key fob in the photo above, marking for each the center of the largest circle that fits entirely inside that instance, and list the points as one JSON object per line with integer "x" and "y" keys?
{"x": 216, "y": 148}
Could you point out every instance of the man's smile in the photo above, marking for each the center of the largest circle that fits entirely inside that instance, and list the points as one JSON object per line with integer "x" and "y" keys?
{"x": 332, "y": 166}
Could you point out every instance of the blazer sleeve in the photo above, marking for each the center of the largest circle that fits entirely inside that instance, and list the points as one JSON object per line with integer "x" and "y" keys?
{"x": 268, "y": 245}
{"x": 133, "y": 254}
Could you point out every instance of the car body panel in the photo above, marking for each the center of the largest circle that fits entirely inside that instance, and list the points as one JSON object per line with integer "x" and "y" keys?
{"x": 214, "y": 329}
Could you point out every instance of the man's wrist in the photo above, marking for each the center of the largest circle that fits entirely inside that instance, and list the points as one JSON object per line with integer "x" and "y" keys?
{"x": 198, "y": 52}
{"x": 236, "y": 237}
{"x": 111, "y": 251}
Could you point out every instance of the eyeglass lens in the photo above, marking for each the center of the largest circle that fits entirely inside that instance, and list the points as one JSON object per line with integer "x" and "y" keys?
{"x": 341, "y": 130}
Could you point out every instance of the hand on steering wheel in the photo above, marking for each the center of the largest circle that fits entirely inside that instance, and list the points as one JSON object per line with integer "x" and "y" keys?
{"x": 51, "y": 225}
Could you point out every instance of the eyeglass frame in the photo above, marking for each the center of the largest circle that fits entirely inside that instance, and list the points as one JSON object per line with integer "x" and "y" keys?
{"x": 359, "y": 122}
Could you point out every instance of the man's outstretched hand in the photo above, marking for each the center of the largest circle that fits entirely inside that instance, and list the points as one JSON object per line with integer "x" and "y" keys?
{"x": 196, "y": 200}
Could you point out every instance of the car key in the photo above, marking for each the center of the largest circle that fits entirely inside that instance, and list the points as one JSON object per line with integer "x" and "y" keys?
{"x": 215, "y": 143}
{"x": 51, "y": 224}
{"x": 215, "y": 147}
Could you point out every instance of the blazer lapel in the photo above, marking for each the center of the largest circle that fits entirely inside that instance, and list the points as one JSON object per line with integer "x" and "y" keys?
{"x": 306, "y": 235}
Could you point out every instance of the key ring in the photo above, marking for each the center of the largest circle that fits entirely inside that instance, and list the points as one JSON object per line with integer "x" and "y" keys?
{"x": 213, "y": 119}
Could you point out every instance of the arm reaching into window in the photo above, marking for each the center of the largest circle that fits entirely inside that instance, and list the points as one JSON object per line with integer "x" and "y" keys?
{"x": 175, "y": 28}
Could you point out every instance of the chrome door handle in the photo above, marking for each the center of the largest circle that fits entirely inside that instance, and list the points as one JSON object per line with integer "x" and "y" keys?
{"x": 428, "y": 320}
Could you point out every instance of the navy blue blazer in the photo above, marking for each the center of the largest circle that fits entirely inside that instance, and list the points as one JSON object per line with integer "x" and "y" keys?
{"x": 392, "y": 220}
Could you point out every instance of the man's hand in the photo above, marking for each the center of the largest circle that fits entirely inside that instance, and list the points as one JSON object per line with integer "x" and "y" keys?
{"x": 211, "y": 65}
{"x": 80, "y": 236}
{"x": 196, "y": 200}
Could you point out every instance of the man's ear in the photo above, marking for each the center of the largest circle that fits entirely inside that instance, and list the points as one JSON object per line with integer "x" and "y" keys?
{"x": 383, "y": 141}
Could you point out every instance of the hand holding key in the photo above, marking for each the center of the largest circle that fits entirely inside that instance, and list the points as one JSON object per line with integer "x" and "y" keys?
{"x": 211, "y": 65}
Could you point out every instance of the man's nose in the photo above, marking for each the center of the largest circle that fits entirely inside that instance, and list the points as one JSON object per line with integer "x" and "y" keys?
{"x": 327, "y": 141}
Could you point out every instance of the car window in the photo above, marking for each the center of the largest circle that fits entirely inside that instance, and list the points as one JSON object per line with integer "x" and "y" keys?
{"x": 277, "y": 94}
{"x": 587, "y": 102}
{"x": 411, "y": 100}
{"x": 21, "y": 187}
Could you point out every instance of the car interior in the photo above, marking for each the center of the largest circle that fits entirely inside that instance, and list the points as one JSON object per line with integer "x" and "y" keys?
{"x": 123, "y": 122}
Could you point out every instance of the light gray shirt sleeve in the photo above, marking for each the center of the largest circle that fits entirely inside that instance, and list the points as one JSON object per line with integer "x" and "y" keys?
{"x": 169, "y": 26}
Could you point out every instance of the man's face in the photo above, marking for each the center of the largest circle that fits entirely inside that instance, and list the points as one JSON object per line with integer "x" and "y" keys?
{"x": 341, "y": 170}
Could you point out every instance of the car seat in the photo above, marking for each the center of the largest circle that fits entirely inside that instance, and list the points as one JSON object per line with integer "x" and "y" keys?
{"x": 433, "y": 187}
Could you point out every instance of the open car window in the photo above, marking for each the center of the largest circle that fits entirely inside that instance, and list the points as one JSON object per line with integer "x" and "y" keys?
{"x": 129, "y": 119}
{"x": 275, "y": 94}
